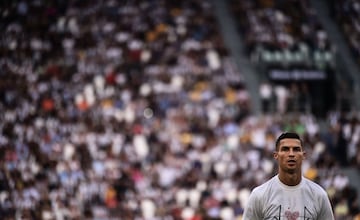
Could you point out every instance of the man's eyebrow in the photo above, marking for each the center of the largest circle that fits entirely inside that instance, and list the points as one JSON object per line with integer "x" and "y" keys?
{"x": 291, "y": 145}
{"x": 285, "y": 146}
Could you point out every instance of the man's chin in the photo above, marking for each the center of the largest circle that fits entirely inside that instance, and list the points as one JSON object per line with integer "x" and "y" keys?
{"x": 291, "y": 170}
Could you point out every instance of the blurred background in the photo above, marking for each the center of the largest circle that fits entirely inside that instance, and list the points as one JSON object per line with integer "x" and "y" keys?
{"x": 169, "y": 110}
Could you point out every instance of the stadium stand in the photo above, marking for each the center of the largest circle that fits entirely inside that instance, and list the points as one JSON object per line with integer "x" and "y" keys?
{"x": 346, "y": 14}
{"x": 285, "y": 33}
{"x": 292, "y": 51}
{"x": 135, "y": 110}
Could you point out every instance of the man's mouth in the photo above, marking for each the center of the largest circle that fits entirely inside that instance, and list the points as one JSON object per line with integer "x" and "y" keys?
{"x": 291, "y": 162}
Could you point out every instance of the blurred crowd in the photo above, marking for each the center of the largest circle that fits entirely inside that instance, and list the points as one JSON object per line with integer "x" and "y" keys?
{"x": 347, "y": 16}
{"x": 135, "y": 110}
{"x": 287, "y": 37}
{"x": 283, "y": 33}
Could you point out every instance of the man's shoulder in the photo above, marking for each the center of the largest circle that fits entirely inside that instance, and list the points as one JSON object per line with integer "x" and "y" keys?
{"x": 314, "y": 187}
{"x": 264, "y": 187}
{"x": 311, "y": 183}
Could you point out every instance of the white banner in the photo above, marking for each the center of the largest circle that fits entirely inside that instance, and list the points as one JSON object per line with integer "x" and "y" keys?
{"x": 297, "y": 75}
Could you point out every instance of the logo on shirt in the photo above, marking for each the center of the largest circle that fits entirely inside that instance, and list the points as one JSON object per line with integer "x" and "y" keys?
{"x": 289, "y": 215}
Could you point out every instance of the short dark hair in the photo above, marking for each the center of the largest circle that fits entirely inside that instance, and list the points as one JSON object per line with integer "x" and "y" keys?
{"x": 284, "y": 135}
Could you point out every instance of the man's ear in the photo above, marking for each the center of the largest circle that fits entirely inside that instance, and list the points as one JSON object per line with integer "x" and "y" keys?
{"x": 275, "y": 155}
{"x": 304, "y": 154}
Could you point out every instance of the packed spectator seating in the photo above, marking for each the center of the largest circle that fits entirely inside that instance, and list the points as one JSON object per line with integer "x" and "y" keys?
{"x": 346, "y": 13}
{"x": 134, "y": 110}
{"x": 283, "y": 33}
{"x": 288, "y": 45}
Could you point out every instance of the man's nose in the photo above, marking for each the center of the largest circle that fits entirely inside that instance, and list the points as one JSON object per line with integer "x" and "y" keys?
{"x": 291, "y": 152}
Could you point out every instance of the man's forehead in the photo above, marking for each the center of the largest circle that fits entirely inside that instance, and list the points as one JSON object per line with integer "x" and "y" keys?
{"x": 290, "y": 142}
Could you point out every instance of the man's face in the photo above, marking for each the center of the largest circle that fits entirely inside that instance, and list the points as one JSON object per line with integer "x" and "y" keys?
{"x": 290, "y": 155}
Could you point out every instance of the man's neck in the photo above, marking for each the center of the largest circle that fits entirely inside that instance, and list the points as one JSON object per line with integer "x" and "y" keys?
{"x": 290, "y": 179}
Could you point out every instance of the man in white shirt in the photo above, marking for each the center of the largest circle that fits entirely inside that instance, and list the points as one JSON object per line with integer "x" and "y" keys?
{"x": 289, "y": 195}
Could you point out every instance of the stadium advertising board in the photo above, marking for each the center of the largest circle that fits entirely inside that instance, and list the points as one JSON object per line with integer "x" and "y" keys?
{"x": 297, "y": 75}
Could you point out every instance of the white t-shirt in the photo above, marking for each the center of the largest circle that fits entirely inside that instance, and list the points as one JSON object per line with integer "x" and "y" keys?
{"x": 274, "y": 200}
